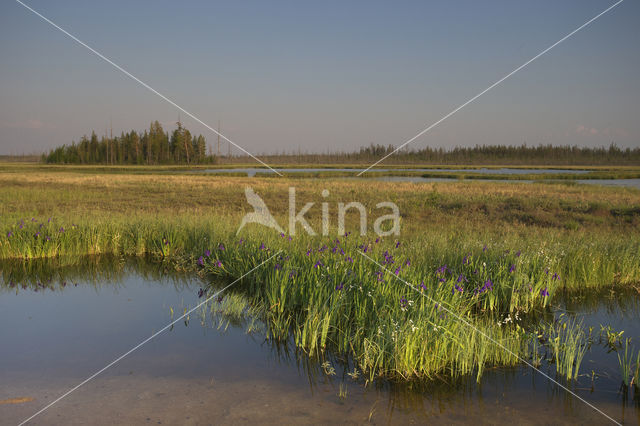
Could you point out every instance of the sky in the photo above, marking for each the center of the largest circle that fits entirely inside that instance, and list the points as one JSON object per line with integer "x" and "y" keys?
{"x": 283, "y": 76}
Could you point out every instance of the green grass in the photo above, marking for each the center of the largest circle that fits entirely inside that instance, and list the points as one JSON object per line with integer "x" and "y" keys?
{"x": 496, "y": 255}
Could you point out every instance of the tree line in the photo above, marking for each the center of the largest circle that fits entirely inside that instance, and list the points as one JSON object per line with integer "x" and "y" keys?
{"x": 522, "y": 155}
{"x": 153, "y": 146}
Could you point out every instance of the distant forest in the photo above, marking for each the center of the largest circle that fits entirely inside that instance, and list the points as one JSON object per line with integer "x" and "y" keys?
{"x": 522, "y": 155}
{"x": 155, "y": 146}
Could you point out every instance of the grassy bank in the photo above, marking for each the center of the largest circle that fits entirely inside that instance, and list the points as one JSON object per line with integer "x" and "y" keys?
{"x": 495, "y": 254}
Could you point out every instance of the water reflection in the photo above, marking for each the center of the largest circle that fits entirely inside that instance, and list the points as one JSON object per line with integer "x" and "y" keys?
{"x": 210, "y": 370}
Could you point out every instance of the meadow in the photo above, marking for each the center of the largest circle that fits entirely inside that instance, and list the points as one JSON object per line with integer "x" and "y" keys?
{"x": 475, "y": 262}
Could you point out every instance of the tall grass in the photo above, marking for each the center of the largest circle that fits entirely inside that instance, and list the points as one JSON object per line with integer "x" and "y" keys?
{"x": 456, "y": 252}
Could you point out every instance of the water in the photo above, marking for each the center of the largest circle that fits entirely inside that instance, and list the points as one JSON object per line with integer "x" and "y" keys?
{"x": 251, "y": 171}
{"x": 196, "y": 373}
{"x": 634, "y": 183}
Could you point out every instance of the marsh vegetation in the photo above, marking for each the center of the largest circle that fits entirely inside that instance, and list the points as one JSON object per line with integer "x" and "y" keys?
{"x": 476, "y": 263}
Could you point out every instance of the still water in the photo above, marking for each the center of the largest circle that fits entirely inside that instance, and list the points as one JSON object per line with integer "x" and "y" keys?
{"x": 211, "y": 371}
{"x": 251, "y": 172}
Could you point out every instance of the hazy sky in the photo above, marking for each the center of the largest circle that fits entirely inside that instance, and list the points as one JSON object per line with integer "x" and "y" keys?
{"x": 323, "y": 75}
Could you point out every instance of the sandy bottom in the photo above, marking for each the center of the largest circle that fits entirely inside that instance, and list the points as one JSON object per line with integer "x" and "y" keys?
{"x": 133, "y": 399}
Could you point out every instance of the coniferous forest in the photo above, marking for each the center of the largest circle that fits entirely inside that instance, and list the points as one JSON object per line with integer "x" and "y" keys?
{"x": 153, "y": 146}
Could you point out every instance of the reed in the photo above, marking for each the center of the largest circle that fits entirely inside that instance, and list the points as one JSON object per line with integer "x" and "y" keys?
{"x": 466, "y": 247}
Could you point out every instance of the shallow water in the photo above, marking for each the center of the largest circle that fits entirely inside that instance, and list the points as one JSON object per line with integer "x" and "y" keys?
{"x": 196, "y": 373}
{"x": 634, "y": 183}
{"x": 251, "y": 171}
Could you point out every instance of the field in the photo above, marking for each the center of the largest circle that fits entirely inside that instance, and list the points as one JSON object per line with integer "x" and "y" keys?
{"x": 496, "y": 256}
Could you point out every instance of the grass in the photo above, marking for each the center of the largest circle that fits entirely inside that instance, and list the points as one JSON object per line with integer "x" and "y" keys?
{"x": 495, "y": 254}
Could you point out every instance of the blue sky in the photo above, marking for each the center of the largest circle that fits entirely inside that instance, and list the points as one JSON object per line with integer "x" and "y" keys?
{"x": 323, "y": 76}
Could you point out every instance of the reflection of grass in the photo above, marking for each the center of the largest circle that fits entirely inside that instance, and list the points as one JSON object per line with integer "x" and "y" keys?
{"x": 629, "y": 368}
{"x": 495, "y": 254}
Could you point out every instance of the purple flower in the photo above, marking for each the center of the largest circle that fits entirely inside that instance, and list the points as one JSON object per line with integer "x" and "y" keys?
{"x": 37, "y": 234}
{"x": 277, "y": 267}
{"x": 488, "y": 286}
{"x": 512, "y": 268}
{"x": 408, "y": 262}
{"x": 49, "y": 220}
{"x": 466, "y": 260}
{"x": 48, "y": 238}
{"x": 318, "y": 264}
{"x": 457, "y": 287}
{"x": 240, "y": 241}
{"x": 397, "y": 244}
{"x": 9, "y": 234}
{"x": 61, "y": 230}
{"x": 292, "y": 274}
{"x": 398, "y": 269}
{"x": 221, "y": 246}
{"x": 218, "y": 264}
{"x": 282, "y": 235}
{"x": 518, "y": 253}
{"x": 442, "y": 269}
{"x": 207, "y": 253}
{"x": 403, "y": 303}
{"x": 33, "y": 219}
{"x": 461, "y": 278}
{"x": 339, "y": 286}
{"x": 349, "y": 259}
{"x": 377, "y": 240}
{"x": 262, "y": 246}
{"x": 308, "y": 252}
{"x": 555, "y": 277}
{"x": 20, "y": 226}
{"x": 544, "y": 292}
{"x": 201, "y": 261}
{"x": 484, "y": 248}
{"x": 422, "y": 286}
